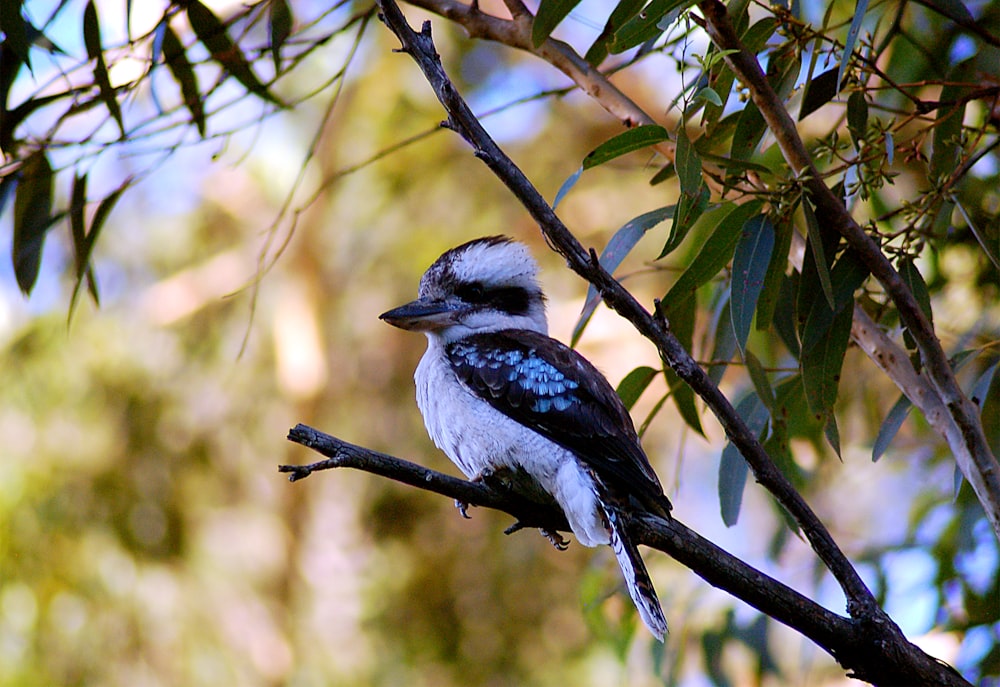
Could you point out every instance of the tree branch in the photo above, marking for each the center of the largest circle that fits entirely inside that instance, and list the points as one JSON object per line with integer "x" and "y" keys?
{"x": 964, "y": 431}
{"x": 850, "y": 642}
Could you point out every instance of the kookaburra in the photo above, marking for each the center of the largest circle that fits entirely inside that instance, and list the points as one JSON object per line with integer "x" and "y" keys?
{"x": 496, "y": 392}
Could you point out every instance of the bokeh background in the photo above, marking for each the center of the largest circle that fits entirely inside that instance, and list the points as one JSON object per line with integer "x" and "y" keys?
{"x": 146, "y": 537}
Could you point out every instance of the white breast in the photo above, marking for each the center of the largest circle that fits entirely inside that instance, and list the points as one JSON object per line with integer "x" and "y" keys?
{"x": 474, "y": 435}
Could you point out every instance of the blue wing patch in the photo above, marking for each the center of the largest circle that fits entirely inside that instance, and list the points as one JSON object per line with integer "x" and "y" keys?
{"x": 541, "y": 381}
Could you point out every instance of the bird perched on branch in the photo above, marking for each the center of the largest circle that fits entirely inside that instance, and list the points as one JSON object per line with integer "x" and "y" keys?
{"x": 497, "y": 393}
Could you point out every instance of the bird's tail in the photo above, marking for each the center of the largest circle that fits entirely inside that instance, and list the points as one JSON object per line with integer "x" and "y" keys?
{"x": 640, "y": 587}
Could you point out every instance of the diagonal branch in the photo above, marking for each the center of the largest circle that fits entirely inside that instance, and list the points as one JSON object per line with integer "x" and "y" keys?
{"x": 844, "y": 639}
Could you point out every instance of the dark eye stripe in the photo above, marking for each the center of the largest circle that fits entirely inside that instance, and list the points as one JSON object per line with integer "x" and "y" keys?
{"x": 513, "y": 300}
{"x": 473, "y": 292}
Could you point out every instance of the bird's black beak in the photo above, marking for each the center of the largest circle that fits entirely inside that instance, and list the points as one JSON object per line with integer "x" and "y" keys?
{"x": 423, "y": 314}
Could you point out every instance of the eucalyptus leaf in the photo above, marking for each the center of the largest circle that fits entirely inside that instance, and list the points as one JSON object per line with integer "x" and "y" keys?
{"x": 32, "y": 218}
{"x": 626, "y": 142}
{"x": 751, "y": 260}
{"x": 890, "y": 426}
{"x": 550, "y": 13}
{"x": 620, "y": 245}
{"x": 860, "y": 8}
{"x": 92, "y": 41}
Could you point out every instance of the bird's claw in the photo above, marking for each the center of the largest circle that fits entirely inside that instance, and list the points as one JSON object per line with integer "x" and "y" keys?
{"x": 463, "y": 508}
{"x": 556, "y": 539}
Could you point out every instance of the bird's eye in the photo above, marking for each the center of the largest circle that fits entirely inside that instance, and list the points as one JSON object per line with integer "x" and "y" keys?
{"x": 472, "y": 293}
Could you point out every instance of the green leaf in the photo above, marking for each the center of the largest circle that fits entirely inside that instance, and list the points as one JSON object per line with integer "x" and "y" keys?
{"x": 822, "y": 363}
{"x": 725, "y": 341}
{"x": 623, "y": 11}
{"x": 783, "y": 70}
{"x": 739, "y": 14}
{"x": 852, "y": 36}
{"x": 77, "y": 221}
{"x": 750, "y": 262}
{"x": 635, "y": 382}
{"x": 709, "y": 96}
{"x": 689, "y": 209}
{"x": 721, "y": 80}
{"x": 730, "y": 163}
{"x": 767, "y": 301}
{"x": 550, "y": 13}
{"x": 918, "y": 287}
{"x": 681, "y": 317}
{"x": 566, "y": 186}
{"x": 14, "y": 28}
{"x": 155, "y": 56}
{"x": 758, "y": 376}
{"x": 750, "y": 129}
{"x": 280, "y": 27}
{"x": 657, "y": 407}
{"x": 818, "y": 92}
{"x": 714, "y": 255}
{"x": 97, "y": 224}
{"x": 785, "y": 316}
{"x": 645, "y": 25}
{"x": 668, "y": 171}
{"x": 890, "y": 427}
{"x": 832, "y": 434}
{"x": 620, "y": 245}
{"x": 733, "y": 468}
{"x": 78, "y": 234}
{"x": 32, "y": 218}
{"x": 687, "y": 163}
{"x": 104, "y": 209}
{"x": 626, "y": 142}
{"x": 846, "y": 277}
{"x": 857, "y": 117}
{"x": 176, "y": 60}
{"x": 757, "y": 36}
{"x": 212, "y": 33}
{"x": 982, "y": 386}
{"x": 815, "y": 241}
{"x": 790, "y": 419}
{"x": 92, "y": 40}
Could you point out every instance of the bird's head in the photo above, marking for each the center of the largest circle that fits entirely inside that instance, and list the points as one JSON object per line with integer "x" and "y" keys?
{"x": 485, "y": 285}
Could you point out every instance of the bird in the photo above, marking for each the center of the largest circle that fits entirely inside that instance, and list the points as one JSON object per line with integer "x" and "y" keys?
{"x": 498, "y": 393}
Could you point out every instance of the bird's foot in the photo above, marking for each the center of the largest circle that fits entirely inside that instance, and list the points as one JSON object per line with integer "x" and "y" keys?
{"x": 463, "y": 508}
{"x": 556, "y": 539}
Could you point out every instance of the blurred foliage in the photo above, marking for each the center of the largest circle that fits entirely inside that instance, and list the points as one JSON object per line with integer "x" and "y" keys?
{"x": 145, "y": 537}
